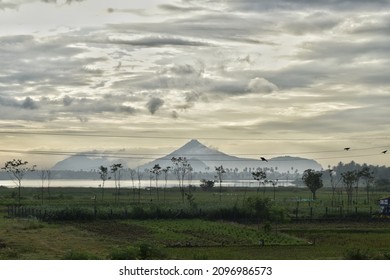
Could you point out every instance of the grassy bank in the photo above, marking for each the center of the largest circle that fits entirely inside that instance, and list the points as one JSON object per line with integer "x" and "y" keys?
{"x": 198, "y": 225}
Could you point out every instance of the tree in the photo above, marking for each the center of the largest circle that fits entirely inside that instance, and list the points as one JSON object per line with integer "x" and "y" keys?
{"x": 349, "y": 178}
{"x": 166, "y": 171}
{"x": 368, "y": 176}
{"x": 220, "y": 171}
{"x": 132, "y": 176}
{"x": 17, "y": 169}
{"x": 206, "y": 185}
{"x": 140, "y": 174}
{"x": 334, "y": 181}
{"x": 156, "y": 170}
{"x": 274, "y": 184}
{"x": 103, "y": 172}
{"x": 180, "y": 168}
{"x": 43, "y": 178}
{"x": 116, "y": 170}
{"x": 312, "y": 180}
{"x": 260, "y": 176}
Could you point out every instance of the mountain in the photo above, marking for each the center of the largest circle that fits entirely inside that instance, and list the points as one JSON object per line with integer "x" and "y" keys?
{"x": 198, "y": 155}
{"x": 83, "y": 162}
{"x": 202, "y": 158}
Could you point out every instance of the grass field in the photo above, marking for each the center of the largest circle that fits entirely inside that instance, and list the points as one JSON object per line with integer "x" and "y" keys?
{"x": 207, "y": 225}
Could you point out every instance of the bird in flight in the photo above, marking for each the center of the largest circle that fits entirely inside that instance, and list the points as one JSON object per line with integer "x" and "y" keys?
{"x": 384, "y": 152}
{"x": 263, "y": 159}
{"x": 347, "y": 149}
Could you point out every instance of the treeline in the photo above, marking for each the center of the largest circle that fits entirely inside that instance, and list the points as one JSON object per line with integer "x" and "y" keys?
{"x": 381, "y": 174}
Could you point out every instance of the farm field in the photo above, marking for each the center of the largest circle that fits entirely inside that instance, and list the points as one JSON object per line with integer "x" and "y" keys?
{"x": 79, "y": 224}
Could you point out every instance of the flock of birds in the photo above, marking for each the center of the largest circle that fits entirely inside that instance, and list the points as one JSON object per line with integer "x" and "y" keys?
{"x": 345, "y": 149}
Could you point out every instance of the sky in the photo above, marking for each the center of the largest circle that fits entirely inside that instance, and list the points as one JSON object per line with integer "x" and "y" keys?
{"x": 250, "y": 78}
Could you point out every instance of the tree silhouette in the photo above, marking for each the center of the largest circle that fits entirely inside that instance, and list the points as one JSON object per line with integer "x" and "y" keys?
{"x": 260, "y": 176}
{"x": 103, "y": 172}
{"x": 312, "y": 180}
{"x": 368, "y": 176}
{"x": 132, "y": 176}
{"x": 349, "y": 178}
{"x": 220, "y": 171}
{"x": 180, "y": 168}
{"x": 116, "y": 170}
{"x": 140, "y": 174}
{"x": 156, "y": 170}
{"x": 17, "y": 169}
{"x": 166, "y": 171}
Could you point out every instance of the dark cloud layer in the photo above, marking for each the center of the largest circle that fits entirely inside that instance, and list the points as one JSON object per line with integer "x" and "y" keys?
{"x": 154, "y": 104}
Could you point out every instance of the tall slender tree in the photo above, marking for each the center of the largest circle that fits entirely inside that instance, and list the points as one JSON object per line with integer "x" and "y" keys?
{"x": 103, "y": 172}
{"x": 140, "y": 175}
{"x": 180, "y": 168}
{"x": 116, "y": 170}
{"x": 166, "y": 171}
{"x": 156, "y": 170}
{"x": 220, "y": 171}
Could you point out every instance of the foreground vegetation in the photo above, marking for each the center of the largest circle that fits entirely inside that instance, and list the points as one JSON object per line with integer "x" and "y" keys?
{"x": 237, "y": 223}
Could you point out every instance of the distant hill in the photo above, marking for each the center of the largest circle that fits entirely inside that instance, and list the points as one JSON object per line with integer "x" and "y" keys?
{"x": 83, "y": 162}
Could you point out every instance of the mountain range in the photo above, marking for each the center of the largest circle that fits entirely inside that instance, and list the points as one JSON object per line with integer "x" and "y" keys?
{"x": 201, "y": 158}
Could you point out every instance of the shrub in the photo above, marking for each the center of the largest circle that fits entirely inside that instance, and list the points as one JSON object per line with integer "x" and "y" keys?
{"x": 357, "y": 254}
{"x": 127, "y": 253}
{"x": 74, "y": 255}
{"x": 206, "y": 185}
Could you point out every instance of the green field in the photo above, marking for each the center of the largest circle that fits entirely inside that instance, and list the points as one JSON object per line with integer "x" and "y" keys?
{"x": 77, "y": 223}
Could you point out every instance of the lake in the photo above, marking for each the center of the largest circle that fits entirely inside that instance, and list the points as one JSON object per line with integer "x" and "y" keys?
{"x": 129, "y": 184}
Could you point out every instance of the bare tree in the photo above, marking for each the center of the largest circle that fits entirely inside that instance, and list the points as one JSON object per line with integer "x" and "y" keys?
{"x": 334, "y": 181}
{"x": 180, "y": 169}
{"x": 17, "y": 170}
{"x": 349, "y": 179}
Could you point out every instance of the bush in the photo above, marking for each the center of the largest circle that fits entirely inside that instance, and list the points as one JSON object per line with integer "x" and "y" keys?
{"x": 206, "y": 185}
{"x": 127, "y": 253}
{"x": 149, "y": 252}
{"x": 357, "y": 254}
{"x": 73, "y": 255}
{"x": 145, "y": 251}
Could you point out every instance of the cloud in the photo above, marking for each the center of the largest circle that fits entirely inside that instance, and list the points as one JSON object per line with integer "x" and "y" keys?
{"x": 28, "y": 103}
{"x": 158, "y": 41}
{"x": 67, "y": 100}
{"x": 293, "y": 5}
{"x": 7, "y": 5}
{"x": 61, "y": 1}
{"x": 174, "y": 115}
{"x": 154, "y": 104}
{"x": 261, "y": 85}
{"x": 180, "y": 9}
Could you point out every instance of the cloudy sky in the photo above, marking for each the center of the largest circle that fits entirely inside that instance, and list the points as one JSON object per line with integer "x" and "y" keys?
{"x": 249, "y": 77}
